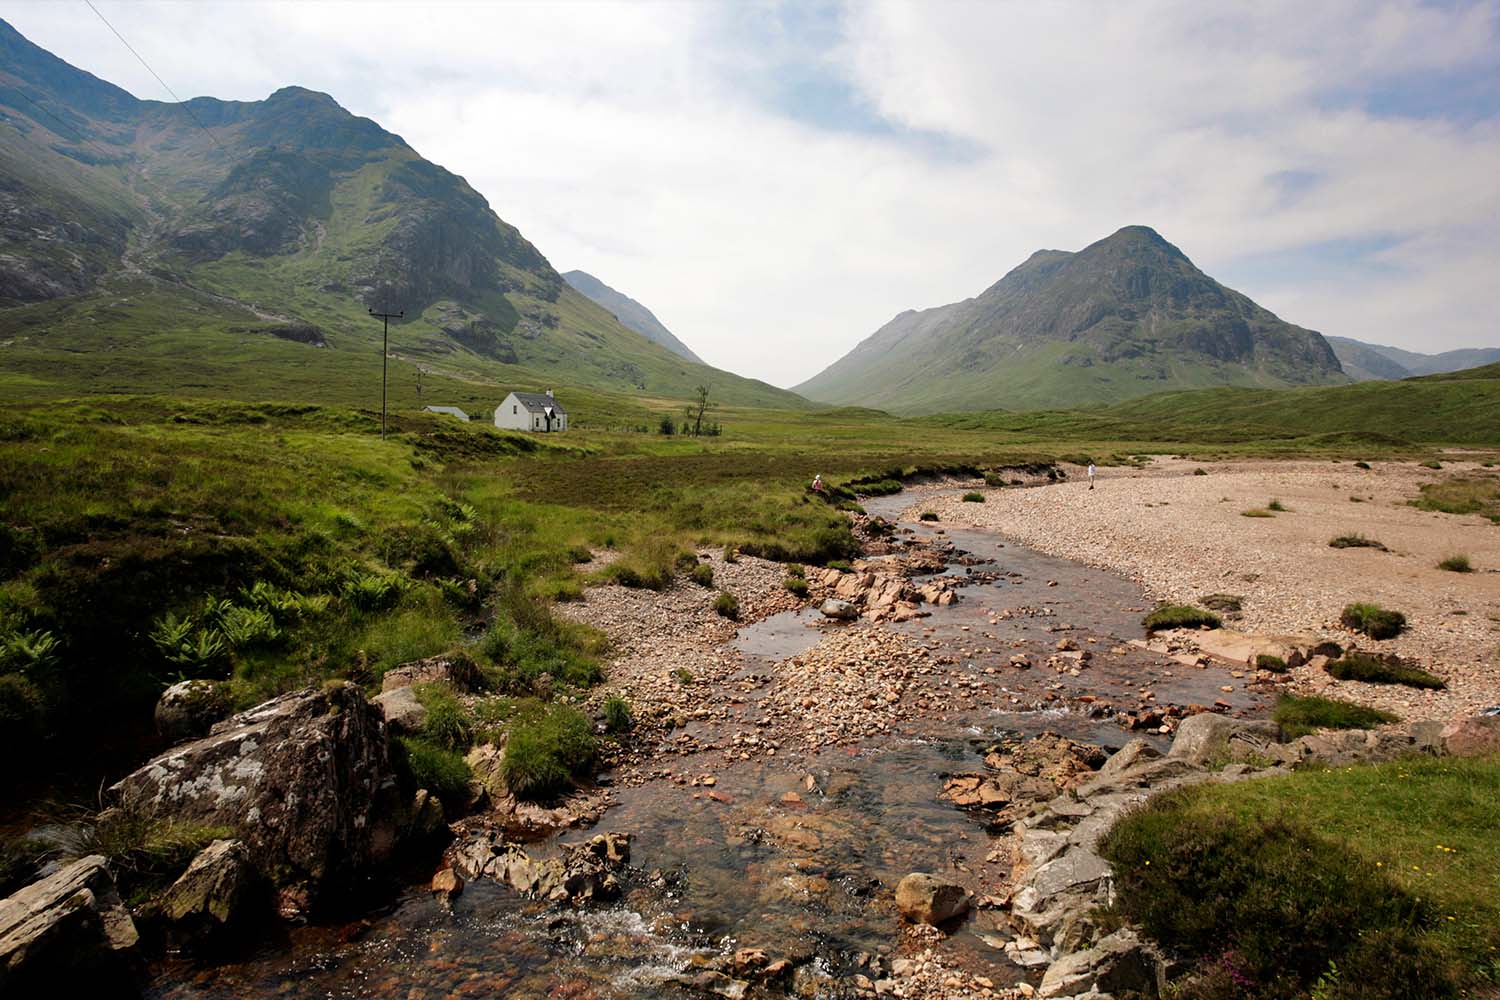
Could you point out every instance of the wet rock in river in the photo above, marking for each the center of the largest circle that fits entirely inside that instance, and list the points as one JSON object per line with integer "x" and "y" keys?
{"x": 69, "y": 930}
{"x": 220, "y": 889}
{"x": 838, "y": 610}
{"x": 927, "y": 899}
{"x": 584, "y": 872}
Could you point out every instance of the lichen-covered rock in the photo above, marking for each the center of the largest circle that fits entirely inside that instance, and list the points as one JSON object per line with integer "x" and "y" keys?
{"x": 1207, "y": 738}
{"x": 838, "y": 610}
{"x": 402, "y": 711}
{"x": 1118, "y": 964}
{"x": 67, "y": 930}
{"x": 455, "y": 669}
{"x": 188, "y": 709}
{"x": 303, "y": 780}
{"x": 927, "y": 899}
{"x": 218, "y": 889}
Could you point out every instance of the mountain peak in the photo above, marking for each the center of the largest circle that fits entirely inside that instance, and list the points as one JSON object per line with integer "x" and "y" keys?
{"x": 629, "y": 312}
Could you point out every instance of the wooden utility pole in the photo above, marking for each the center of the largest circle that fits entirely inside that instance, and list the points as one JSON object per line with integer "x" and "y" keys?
{"x": 385, "y": 339}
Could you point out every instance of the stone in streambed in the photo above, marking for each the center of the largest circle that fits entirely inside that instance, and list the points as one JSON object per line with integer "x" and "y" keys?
{"x": 839, "y": 610}
{"x": 928, "y": 899}
{"x": 1476, "y": 736}
{"x": 67, "y": 930}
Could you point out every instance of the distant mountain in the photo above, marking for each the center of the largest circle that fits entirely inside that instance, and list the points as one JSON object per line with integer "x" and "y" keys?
{"x": 1127, "y": 316}
{"x": 1364, "y": 362}
{"x": 630, "y": 312}
{"x": 223, "y": 246}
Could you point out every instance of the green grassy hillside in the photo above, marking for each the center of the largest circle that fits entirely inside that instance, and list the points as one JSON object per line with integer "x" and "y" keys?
{"x": 139, "y": 252}
{"x": 1456, "y": 408}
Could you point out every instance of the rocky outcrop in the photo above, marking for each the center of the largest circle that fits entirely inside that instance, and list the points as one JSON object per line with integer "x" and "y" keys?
{"x": 303, "y": 780}
{"x": 1119, "y": 964}
{"x": 450, "y": 668}
{"x": 580, "y": 873}
{"x": 1476, "y": 736}
{"x": 67, "y": 931}
{"x": 928, "y": 899}
{"x": 188, "y": 709}
{"x": 1207, "y": 738}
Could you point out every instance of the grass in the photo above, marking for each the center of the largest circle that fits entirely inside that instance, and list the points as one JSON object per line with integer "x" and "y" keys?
{"x": 973, "y": 498}
{"x": 1228, "y": 603}
{"x": 1300, "y": 715}
{"x": 1355, "y": 541}
{"x": 1379, "y": 670}
{"x": 1470, "y": 494}
{"x": 1180, "y": 616}
{"x": 1456, "y": 564}
{"x": 617, "y": 715}
{"x": 1431, "y": 463}
{"x": 547, "y": 753}
{"x": 1373, "y": 620}
{"x": 928, "y": 515}
{"x": 703, "y": 575}
{"x": 1256, "y": 512}
{"x": 796, "y": 585}
{"x": 1276, "y": 505}
{"x": 441, "y": 771}
{"x": 1378, "y": 881}
{"x": 726, "y": 605}
{"x": 1268, "y": 661}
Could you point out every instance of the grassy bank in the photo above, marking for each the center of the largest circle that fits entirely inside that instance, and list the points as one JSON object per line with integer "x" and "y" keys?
{"x": 1371, "y": 882}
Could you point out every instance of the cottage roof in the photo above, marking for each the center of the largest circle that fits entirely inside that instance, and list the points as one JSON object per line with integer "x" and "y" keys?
{"x": 539, "y": 402}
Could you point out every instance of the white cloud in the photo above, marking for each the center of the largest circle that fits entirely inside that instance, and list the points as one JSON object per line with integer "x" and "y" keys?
{"x": 663, "y": 147}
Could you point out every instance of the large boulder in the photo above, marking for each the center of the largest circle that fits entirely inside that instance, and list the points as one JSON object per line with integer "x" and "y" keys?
{"x": 188, "y": 709}
{"x": 303, "y": 780}
{"x": 1476, "y": 736}
{"x": 1207, "y": 739}
{"x": 928, "y": 899}
{"x": 839, "y": 610}
{"x": 1119, "y": 964}
{"x": 65, "y": 932}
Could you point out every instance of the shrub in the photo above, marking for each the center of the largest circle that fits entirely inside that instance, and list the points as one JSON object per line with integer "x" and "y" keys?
{"x": 1268, "y": 661}
{"x": 928, "y": 515}
{"x": 994, "y": 479}
{"x": 23, "y": 712}
{"x": 1382, "y": 670}
{"x": 703, "y": 575}
{"x": 373, "y": 591}
{"x": 1200, "y": 472}
{"x": 727, "y": 605}
{"x": 1361, "y": 465}
{"x": 796, "y": 570}
{"x": 666, "y": 426}
{"x": 1431, "y": 463}
{"x": 841, "y": 565}
{"x": 422, "y": 765}
{"x": 1179, "y": 616}
{"x": 1263, "y": 902}
{"x": 545, "y": 755}
{"x": 796, "y": 585}
{"x": 1373, "y": 620}
{"x": 617, "y": 715}
{"x": 731, "y": 554}
{"x": 1356, "y": 541}
{"x": 448, "y": 725}
{"x": 683, "y": 675}
{"x": 973, "y": 498}
{"x": 1300, "y": 715}
{"x": 1456, "y": 564}
{"x": 1276, "y": 506}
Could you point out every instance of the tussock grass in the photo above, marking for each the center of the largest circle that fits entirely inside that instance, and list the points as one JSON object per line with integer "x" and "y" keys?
{"x": 1382, "y": 670}
{"x": 1271, "y": 662}
{"x": 1303, "y": 714}
{"x": 1256, "y": 512}
{"x": 1456, "y": 564}
{"x": 441, "y": 771}
{"x": 726, "y": 605}
{"x": 1228, "y": 603}
{"x": 1373, "y": 620}
{"x": 1470, "y": 494}
{"x": 617, "y": 715}
{"x": 1179, "y": 616}
{"x": 1278, "y": 507}
{"x": 796, "y": 585}
{"x": 973, "y": 498}
{"x": 546, "y": 754}
{"x": 928, "y": 515}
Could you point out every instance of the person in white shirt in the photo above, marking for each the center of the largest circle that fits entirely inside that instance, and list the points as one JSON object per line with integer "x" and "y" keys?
{"x": 1091, "y": 475}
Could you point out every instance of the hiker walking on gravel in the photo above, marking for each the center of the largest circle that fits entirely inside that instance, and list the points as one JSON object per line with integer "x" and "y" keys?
{"x": 1091, "y": 475}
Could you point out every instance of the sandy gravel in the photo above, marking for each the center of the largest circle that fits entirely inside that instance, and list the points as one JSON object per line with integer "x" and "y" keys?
{"x": 1183, "y": 536}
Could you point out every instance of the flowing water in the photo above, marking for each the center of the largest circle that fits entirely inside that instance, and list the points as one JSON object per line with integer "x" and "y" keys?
{"x": 794, "y": 855}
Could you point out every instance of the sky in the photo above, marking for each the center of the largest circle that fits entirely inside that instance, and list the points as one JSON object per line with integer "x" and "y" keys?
{"x": 777, "y": 180}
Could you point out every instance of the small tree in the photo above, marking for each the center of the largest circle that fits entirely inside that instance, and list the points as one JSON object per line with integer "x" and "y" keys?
{"x": 703, "y": 405}
{"x": 667, "y": 426}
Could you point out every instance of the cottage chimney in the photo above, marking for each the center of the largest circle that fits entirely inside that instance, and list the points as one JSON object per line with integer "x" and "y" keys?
{"x": 549, "y": 393}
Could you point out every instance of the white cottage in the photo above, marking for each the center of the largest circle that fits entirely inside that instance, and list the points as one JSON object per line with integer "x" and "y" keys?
{"x": 531, "y": 411}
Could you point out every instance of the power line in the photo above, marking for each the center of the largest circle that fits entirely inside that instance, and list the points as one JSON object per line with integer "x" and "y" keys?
{"x": 181, "y": 103}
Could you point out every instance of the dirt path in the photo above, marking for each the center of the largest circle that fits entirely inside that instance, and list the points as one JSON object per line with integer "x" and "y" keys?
{"x": 1182, "y": 535}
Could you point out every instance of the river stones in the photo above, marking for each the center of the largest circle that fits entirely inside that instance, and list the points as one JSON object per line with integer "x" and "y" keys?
{"x": 927, "y": 899}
